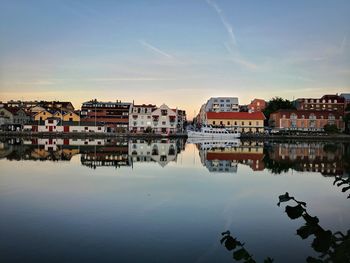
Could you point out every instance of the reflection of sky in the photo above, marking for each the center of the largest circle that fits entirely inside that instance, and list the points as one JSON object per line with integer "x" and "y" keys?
{"x": 152, "y": 214}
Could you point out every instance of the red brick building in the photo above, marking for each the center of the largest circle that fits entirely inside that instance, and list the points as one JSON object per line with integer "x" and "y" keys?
{"x": 257, "y": 105}
{"x": 114, "y": 115}
{"x": 326, "y": 103}
{"x": 305, "y": 120}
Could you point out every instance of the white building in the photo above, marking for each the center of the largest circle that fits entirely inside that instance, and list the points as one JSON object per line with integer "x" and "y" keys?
{"x": 164, "y": 120}
{"x": 140, "y": 118}
{"x": 161, "y": 151}
{"x": 55, "y": 125}
{"x": 222, "y": 104}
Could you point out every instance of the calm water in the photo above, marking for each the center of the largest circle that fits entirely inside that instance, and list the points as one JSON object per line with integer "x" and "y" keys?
{"x": 168, "y": 201}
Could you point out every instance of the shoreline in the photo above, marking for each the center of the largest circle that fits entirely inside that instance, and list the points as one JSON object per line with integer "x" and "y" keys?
{"x": 337, "y": 137}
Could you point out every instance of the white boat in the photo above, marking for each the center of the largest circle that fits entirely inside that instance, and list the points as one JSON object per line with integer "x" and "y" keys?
{"x": 209, "y": 132}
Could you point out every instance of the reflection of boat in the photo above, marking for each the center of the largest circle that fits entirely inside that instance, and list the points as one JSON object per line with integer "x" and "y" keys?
{"x": 206, "y": 143}
{"x": 210, "y": 132}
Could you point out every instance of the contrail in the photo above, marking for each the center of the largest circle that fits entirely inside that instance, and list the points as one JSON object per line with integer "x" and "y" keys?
{"x": 155, "y": 49}
{"x": 224, "y": 21}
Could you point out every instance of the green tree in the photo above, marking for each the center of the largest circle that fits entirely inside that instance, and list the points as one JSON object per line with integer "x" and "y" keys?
{"x": 331, "y": 128}
{"x": 276, "y": 104}
{"x": 346, "y": 119}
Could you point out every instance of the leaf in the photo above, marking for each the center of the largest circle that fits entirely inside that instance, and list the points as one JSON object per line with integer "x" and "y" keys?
{"x": 313, "y": 260}
{"x": 294, "y": 212}
{"x": 306, "y": 230}
{"x": 284, "y": 198}
{"x": 241, "y": 254}
{"x": 323, "y": 241}
{"x": 231, "y": 243}
{"x": 345, "y": 189}
{"x": 311, "y": 220}
{"x": 268, "y": 260}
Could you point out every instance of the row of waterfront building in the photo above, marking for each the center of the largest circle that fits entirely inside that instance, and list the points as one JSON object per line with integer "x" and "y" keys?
{"x": 305, "y": 114}
{"x": 94, "y": 116}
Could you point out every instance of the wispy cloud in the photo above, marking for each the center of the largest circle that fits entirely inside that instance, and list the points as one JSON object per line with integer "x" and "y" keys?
{"x": 238, "y": 59}
{"x": 155, "y": 49}
{"x": 343, "y": 44}
{"x": 224, "y": 21}
{"x": 231, "y": 45}
{"x": 36, "y": 82}
{"x": 128, "y": 79}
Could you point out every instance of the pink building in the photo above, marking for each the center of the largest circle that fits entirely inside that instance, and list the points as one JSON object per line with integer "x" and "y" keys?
{"x": 305, "y": 120}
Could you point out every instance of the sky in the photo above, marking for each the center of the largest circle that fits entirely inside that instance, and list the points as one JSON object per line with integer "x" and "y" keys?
{"x": 178, "y": 52}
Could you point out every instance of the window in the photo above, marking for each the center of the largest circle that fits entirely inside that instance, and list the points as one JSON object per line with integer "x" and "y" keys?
{"x": 220, "y": 122}
{"x": 250, "y": 123}
{"x": 242, "y": 123}
{"x": 228, "y": 123}
{"x": 213, "y": 122}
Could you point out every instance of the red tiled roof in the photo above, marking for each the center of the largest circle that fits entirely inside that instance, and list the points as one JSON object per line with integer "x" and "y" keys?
{"x": 236, "y": 115}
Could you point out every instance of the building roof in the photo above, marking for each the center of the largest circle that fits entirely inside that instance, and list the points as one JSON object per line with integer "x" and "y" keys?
{"x": 236, "y": 115}
{"x": 145, "y": 105}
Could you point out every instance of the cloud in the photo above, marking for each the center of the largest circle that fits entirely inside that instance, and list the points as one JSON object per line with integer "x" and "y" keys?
{"x": 155, "y": 49}
{"x": 224, "y": 21}
{"x": 343, "y": 44}
{"x": 238, "y": 59}
{"x": 36, "y": 82}
{"x": 128, "y": 79}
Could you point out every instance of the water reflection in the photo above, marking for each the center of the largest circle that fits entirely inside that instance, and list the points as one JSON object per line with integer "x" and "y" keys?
{"x": 93, "y": 152}
{"x": 330, "y": 246}
{"x": 329, "y": 159}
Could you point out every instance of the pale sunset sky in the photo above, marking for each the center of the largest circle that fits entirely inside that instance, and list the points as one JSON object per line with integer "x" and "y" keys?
{"x": 180, "y": 52}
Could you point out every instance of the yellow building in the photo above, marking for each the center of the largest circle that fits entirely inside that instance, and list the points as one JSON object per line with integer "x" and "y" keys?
{"x": 58, "y": 115}
{"x": 42, "y": 115}
{"x": 71, "y": 116}
{"x": 243, "y": 121}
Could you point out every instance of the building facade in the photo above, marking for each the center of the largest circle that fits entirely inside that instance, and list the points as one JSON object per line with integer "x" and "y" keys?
{"x": 140, "y": 118}
{"x": 6, "y": 116}
{"x": 305, "y": 120}
{"x": 257, "y": 105}
{"x": 164, "y": 120}
{"x": 333, "y": 103}
{"x": 222, "y": 104}
{"x": 53, "y": 124}
{"x": 242, "y": 121}
{"x": 114, "y": 115}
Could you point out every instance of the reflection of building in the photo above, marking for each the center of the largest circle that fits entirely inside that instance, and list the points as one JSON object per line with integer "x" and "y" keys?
{"x": 309, "y": 157}
{"x": 113, "y": 154}
{"x": 227, "y": 159}
{"x": 305, "y": 120}
{"x": 160, "y": 151}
